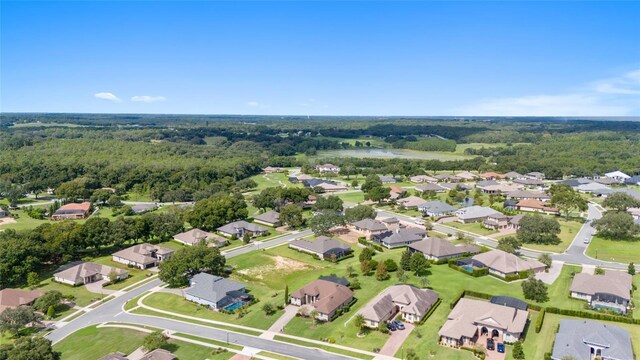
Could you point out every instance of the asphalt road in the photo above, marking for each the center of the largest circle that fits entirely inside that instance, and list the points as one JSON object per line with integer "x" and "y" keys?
{"x": 112, "y": 311}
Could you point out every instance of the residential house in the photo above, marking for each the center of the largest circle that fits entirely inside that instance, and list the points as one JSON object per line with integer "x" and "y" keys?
{"x": 399, "y": 237}
{"x": 143, "y": 208}
{"x": 437, "y": 249}
{"x": 497, "y": 221}
{"x": 114, "y": 356}
{"x": 325, "y": 297}
{"x": 323, "y": 247}
{"x": 392, "y": 223}
{"x": 195, "y": 236}
{"x": 617, "y": 175}
{"x": 336, "y": 279}
{"x": 588, "y": 340}
{"x": 533, "y": 205}
{"x": 591, "y": 187}
{"x": 237, "y": 229}
{"x": 4, "y": 213}
{"x": 525, "y": 195}
{"x": 575, "y": 182}
{"x": 514, "y": 221}
{"x": 411, "y": 202}
{"x": 12, "y": 298}
{"x": 466, "y": 176}
{"x": 492, "y": 176}
{"x": 369, "y": 227}
{"x": 142, "y": 256}
{"x": 387, "y": 179}
{"x": 327, "y": 168}
{"x": 474, "y": 213}
{"x": 408, "y": 300}
{"x": 436, "y": 208}
{"x": 217, "y": 292}
{"x": 430, "y": 187}
{"x": 635, "y": 213}
{"x": 512, "y": 175}
{"x": 472, "y": 320}
{"x": 272, "y": 169}
{"x": 502, "y": 263}
{"x": 270, "y": 218}
{"x": 422, "y": 179}
{"x": 607, "y": 181}
{"x": 499, "y": 188}
{"x": 510, "y": 204}
{"x": 634, "y": 180}
{"x": 72, "y": 211}
{"x": 328, "y": 187}
{"x": 456, "y": 186}
{"x": 535, "y": 175}
{"x": 609, "y": 291}
{"x": 529, "y": 183}
{"x": 158, "y": 354}
{"x": 88, "y": 272}
{"x": 448, "y": 178}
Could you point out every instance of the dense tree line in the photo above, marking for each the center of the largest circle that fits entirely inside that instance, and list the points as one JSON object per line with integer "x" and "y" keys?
{"x": 57, "y": 243}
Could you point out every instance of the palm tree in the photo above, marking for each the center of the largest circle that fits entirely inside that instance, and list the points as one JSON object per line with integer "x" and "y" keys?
{"x": 359, "y": 321}
{"x": 314, "y": 317}
{"x": 424, "y": 281}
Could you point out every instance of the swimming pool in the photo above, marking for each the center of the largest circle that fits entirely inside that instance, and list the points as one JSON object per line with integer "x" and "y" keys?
{"x": 234, "y": 306}
{"x": 467, "y": 268}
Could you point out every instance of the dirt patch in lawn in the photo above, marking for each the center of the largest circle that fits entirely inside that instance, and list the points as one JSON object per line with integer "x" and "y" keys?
{"x": 347, "y": 235}
{"x": 280, "y": 264}
{"x": 7, "y": 220}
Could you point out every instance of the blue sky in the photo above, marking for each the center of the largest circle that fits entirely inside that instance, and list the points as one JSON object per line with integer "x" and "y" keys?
{"x": 322, "y": 58}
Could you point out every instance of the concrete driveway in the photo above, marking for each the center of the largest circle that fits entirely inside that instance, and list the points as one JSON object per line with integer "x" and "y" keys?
{"x": 96, "y": 287}
{"x": 290, "y": 312}
{"x": 396, "y": 340}
{"x": 552, "y": 275}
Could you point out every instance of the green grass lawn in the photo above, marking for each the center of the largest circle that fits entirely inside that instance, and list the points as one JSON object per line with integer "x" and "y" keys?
{"x": 475, "y": 228}
{"x": 23, "y": 221}
{"x": 135, "y": 196}
{"x": 82, "y": 296}
{"x": 352, "y": 197}
{"x": 614, "y": 250}
{"x": 92, "y": 343}
{"x": 271, "y": 180}
{"x": 254, "y": 318}
{"x": 568, "y": 231}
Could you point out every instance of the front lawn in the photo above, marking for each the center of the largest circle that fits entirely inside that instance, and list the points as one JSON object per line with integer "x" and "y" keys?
{"x": 255, "y": 317}
{"x": 92, "y": 343}
{"x": 475, "y": 228}
{"x": 82, "y": 296}
{"x": 614, "y": 250}
{"x": 135, "y": 274}
{"x": 568, "y": 231}
{"x": 353, "y": 197}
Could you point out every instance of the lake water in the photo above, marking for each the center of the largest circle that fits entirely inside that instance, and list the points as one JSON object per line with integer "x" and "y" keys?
{"x": 392, "y": 153}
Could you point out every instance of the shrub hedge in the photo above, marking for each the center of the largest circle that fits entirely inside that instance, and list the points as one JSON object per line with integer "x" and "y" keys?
{"x": 540, "y": 320}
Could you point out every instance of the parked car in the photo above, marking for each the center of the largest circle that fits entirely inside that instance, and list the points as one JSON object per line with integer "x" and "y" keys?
{"x": 500, "y": 347}
{"x": 391, "y": 326}
{"x": 586, "y": 240}
{"x": 399, "y": 325}
{"x": 490, "y": 344}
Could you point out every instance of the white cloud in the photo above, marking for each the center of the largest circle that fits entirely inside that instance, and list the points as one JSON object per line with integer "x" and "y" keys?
{"x": 618, "y": 96}
{"x": 148, "y": 99}
{"x": 107, "y": 96}
{"x": 253, "y": 104}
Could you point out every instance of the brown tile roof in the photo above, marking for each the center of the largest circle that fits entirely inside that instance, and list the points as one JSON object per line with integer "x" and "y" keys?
{"x": 331, "y": 295}
{"x": 85, "y": 206}
{"x": 141, "y": 253}
{"x": 158, "y": 354}
{"x": 12, "y": 298}
{"x": 410, "y": 298}
{"x": 534, "y": 204}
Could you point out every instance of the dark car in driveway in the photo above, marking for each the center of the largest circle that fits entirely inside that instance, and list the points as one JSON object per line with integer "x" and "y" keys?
{"x": 391, "y": 326}
{"x": 501, "y": 347}
{"x": 491, "y": 345}
{"x": 399, "y": 325}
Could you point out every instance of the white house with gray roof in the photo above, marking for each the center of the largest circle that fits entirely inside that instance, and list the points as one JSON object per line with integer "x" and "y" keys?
{"x": 216, "y": 292}
{"x": 587, "y": 340}
{"x": 610, "y": 291}
{"x": 474, "y": 213}
{"x": 324, "y": 247}
{"x": 237, "y": 229}
{"x": 270, "y": 218}
{"x": 436, "y": 208}
{"x": 399, "y": 237}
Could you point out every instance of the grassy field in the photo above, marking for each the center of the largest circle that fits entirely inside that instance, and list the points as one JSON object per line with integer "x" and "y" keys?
{"x": 92, "y": 343}
{"x": 254, "y": 318}
{"x": 475, "y": 228}
{"x": 614, "y": 250}
{"x": 23, "y": 221}
{"x": 271, "y": 180}
{"x": 355, "y": 197}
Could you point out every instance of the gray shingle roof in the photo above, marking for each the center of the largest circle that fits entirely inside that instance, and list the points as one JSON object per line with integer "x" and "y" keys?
{"x": 370, "y": 224}
{"x": 270, "y": 217}
{"x": 574, "y": 336}
{"x": 411, "y": 299}
{"x": 321, "y": 245}
{"x": 437, "y": 207}
{"x": 211, "y": 287}
{"x": 401, "y": 236}
{"x": 429, "y": 187}
{"x": 612, "y": 282}
{"x": 440, "y": 247}
{"x": 233, "y": 228}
